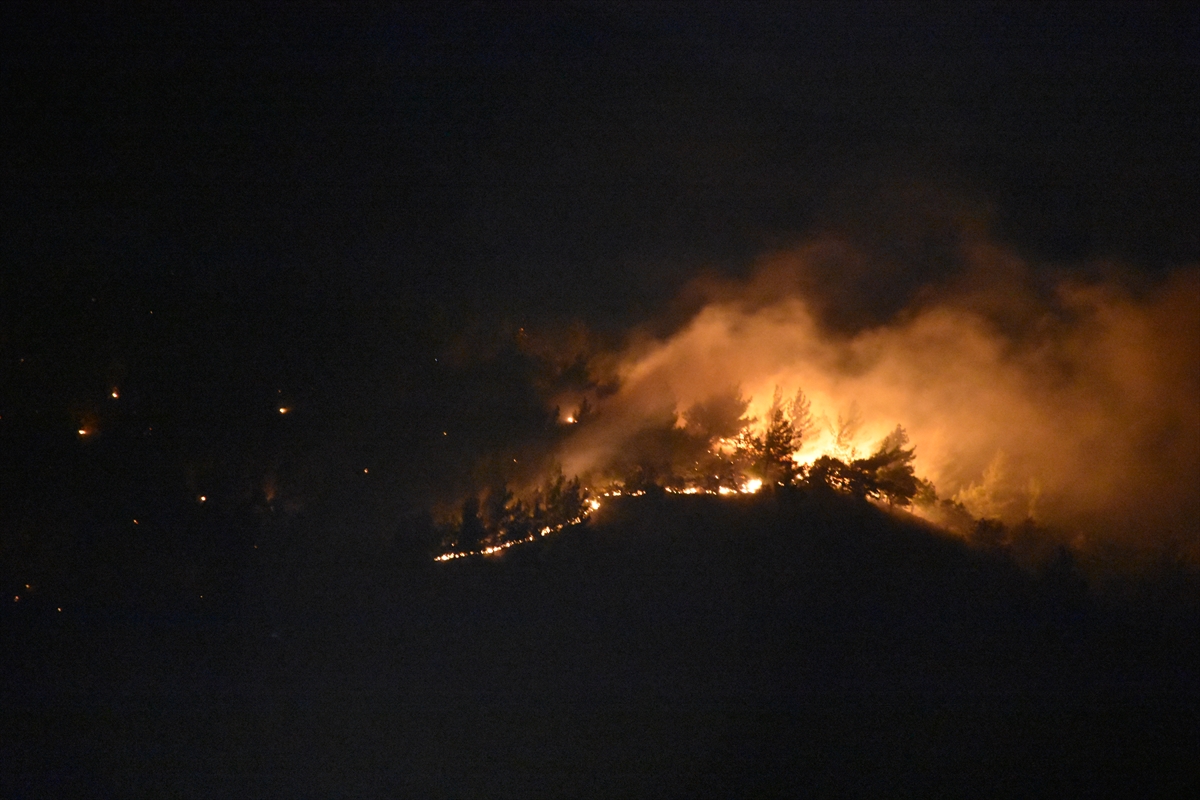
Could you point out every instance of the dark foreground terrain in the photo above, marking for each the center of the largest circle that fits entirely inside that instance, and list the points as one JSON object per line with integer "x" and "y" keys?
{"x": 671, "y": 647}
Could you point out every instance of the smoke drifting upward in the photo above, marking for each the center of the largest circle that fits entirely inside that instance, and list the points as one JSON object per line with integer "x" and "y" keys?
{"x": 1074, "y": 401}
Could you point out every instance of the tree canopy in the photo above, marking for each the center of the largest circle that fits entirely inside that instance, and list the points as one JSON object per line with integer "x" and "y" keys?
{"x": 887, "y": 474}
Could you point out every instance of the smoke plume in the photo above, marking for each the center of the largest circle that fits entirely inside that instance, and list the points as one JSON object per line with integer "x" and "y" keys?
{"x": 1073, "y": 400}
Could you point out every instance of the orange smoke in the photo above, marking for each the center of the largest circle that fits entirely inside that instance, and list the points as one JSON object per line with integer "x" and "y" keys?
{"x": 1076, "y": 403}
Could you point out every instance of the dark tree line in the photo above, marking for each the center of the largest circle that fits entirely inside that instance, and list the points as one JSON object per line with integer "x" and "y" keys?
{"x": 500, "y": 517}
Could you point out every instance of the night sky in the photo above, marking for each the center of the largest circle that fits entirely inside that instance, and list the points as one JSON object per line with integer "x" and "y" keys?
{"x": 321, "y": 199}
{"x": 575, "y": 159}
{"x": 281, "y": 283}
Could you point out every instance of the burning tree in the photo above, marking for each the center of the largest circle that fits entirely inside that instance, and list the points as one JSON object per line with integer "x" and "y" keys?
{"x": 727, "y": 453}
{"x": 560, "y": 501}
{"x": 714, "y": 448}
{"x": 721, "y": 416}
{"x": 787, "y": 422}
{"x": 506, "y": 517}
{"x": 712, "y": 427}
{"x": 887, "y": 474}
{"x": 892, "y": 470}
{"x": 656, "y": 457}
{"x": 846, "y": 430}
{"x": 502, "y": 520}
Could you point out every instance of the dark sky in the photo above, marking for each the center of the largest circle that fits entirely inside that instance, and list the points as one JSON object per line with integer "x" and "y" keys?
{"x": 575, "y": 159}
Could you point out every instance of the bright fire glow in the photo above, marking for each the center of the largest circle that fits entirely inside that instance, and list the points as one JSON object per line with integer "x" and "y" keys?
{"x": 1072, "y": 404}
{"x": 590, "y": 507}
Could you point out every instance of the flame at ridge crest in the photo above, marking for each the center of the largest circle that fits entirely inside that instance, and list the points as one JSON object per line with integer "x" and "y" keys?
{"x": 1089, "y": 393}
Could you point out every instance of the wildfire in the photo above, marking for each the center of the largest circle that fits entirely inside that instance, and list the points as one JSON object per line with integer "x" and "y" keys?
{"x": 1074, "y": 408}
{"x": 491, "y": 550}
{"x": 591, "y": 506}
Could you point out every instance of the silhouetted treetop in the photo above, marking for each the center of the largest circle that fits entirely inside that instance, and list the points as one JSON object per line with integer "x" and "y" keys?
{"x": 721, "y": 416}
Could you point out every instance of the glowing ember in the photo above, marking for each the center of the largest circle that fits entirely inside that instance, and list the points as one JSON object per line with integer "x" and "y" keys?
{"x": 547, "y": 530}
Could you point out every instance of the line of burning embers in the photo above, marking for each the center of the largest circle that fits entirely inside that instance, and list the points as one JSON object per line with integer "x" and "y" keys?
{"x": 590, "y": 507}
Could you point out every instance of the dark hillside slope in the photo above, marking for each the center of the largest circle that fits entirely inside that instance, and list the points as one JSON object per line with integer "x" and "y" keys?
{"x": 672, "y": 646}
{"x": 806, "y": 594}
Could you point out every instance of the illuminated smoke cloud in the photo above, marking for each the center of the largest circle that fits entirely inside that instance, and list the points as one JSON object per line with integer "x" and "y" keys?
{"x": 1076, "y": 402}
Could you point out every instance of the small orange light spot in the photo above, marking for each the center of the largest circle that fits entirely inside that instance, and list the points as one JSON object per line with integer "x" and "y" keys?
{"x": 364, "y": 471}
{"x": 16, "y": 598}
{"x": 135, "y": 522}
{"x": 203, "y": 499}
{"x": 115, "y": 394}
{"x": 27, "y": 586}
{"x": 60, "y": 609}
{"x": 284, "y": 409}
{"x": 444, "y": 433}
{"x": 83, "y": 431}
